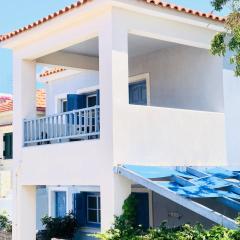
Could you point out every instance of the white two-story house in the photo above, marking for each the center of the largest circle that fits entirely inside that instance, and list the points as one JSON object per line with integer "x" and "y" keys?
{"x": 137, "y": 96}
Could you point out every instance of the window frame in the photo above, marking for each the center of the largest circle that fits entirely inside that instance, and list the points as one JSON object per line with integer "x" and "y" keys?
{"x": 55, "y": 202}
{"x": 62, "y": 101}
{"x": 52, "y": 201}
{"x": 98, "y": 209}
{"x": 94, "y": 94}
{"x": 140, "y": 78}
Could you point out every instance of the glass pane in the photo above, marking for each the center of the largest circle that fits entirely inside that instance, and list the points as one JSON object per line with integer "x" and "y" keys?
{"x": 92, "y": 101}
{"x": 64, "y": 106}
{"x": 92, "y": 216}
{"x": 92, "y": 202}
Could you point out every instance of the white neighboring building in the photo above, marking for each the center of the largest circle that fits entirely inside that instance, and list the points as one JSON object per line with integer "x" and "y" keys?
{"x": 5, "y": 153}
{"x": 142, "y": 89}
{"x": 6, "y": 147}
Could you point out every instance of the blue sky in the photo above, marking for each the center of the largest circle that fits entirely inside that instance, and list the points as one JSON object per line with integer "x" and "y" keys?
{"x": 17, "y": 13}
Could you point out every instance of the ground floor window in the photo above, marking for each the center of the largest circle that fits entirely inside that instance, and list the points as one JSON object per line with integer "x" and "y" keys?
{"x": 93, "y": 209}
{"x": 87, "y": 209}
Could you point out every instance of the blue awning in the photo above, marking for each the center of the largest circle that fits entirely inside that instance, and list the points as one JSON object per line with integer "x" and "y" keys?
{"x": 185, "y": 184}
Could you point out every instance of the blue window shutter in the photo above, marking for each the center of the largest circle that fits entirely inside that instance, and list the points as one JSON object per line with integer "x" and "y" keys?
{"x": 76, "y": 101}
{"x": 8, "y": 145}
{"x": 98, "y": 97}
{"x": 142, "y": 209}
{"x": 80, "y": 208}
{"x": 82, "y": 101}
{"x": 60, "y": 204}
{"x": 138, "y": 93}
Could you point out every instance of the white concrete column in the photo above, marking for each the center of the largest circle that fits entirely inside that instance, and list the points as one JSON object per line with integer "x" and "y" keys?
{"x": 113, "y": 195}
{"x": 113, "y": 72}
{"x": 24, "y": 94}
{"x": 25, "y": 225}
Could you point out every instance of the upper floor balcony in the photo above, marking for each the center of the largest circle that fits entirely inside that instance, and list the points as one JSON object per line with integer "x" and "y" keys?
{"x": 157, "y": 98}
{"x": 73, "y": 125}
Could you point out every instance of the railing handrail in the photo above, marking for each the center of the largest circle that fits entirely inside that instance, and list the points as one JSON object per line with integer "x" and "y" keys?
{"x": 63, "y": 113}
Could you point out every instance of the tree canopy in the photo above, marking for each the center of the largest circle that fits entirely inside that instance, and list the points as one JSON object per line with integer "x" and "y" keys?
{"x": 229, "y": 40}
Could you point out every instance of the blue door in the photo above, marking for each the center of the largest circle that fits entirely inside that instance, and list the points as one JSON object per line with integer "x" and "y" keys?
{"x": 60, "y": 204}
{"x": 138, "y": 93}
{"x": 142, "y": 209}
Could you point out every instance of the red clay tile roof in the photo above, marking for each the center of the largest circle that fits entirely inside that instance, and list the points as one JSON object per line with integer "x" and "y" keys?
{"x": 163, "y": 4}
{"x": 7, "y": 105}
{"x": 51, "y": 71}
{"x": 82, "y": 2}
{"x": 4, "y": 98}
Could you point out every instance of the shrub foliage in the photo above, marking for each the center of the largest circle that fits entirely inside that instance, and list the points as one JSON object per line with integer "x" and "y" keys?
{"x": 229, "y": 40}
{"x": 125, "y": 228}
{"x": 60, "y": 227}
{"x": 5, "y": 223}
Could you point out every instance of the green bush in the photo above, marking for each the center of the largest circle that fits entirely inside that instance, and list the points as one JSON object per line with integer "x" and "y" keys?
{"x": 125, "y": 228}
{"x": 5, "y": 223}
{"x": 60, "y": 227}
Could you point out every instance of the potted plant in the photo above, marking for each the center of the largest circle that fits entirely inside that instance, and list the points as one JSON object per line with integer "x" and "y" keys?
{"x": 63, "y": 228}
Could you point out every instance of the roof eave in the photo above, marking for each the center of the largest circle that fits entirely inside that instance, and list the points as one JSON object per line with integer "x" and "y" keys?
{"x": 61, "y": 21}
{"x": 137, "y": 6}
{"x": 171, "y": 14}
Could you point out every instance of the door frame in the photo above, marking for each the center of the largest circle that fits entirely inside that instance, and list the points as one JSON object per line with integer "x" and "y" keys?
{"x": 150, "y": 201}
{"x": 139, "y": 78}
{"x": 51, "y": 199}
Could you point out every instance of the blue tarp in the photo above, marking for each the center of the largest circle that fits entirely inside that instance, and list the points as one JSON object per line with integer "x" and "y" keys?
{"x": 157, "y": 172}
{"x": 213, "y": 183}
{"x": 187, "y": 186}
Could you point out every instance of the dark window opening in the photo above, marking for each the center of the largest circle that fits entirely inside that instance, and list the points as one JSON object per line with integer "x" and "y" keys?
{"x": 8, "y": 145}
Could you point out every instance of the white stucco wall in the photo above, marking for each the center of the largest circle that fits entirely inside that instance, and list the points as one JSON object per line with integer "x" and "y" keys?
{"x": 170, "y": 137}
{"x": 41, "y": 206}
{"x": 182, "y": 77}
{"x": 6, "y": 118}
{"x": 232, "y": 116}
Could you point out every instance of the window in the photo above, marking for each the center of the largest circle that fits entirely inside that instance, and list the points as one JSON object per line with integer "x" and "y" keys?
{"x": 64, "y": 105}
{"x": 60, "y": 204}
{"x": 139, "y": 89}
{"x": 8, "y": 145}
{"x": 93, "y": 209}
{"x": 138, "y": 93}
{"x": 91, "y": 100}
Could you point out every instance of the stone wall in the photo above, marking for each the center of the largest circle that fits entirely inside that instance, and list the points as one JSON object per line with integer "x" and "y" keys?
{"x": 5, "y": 236}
